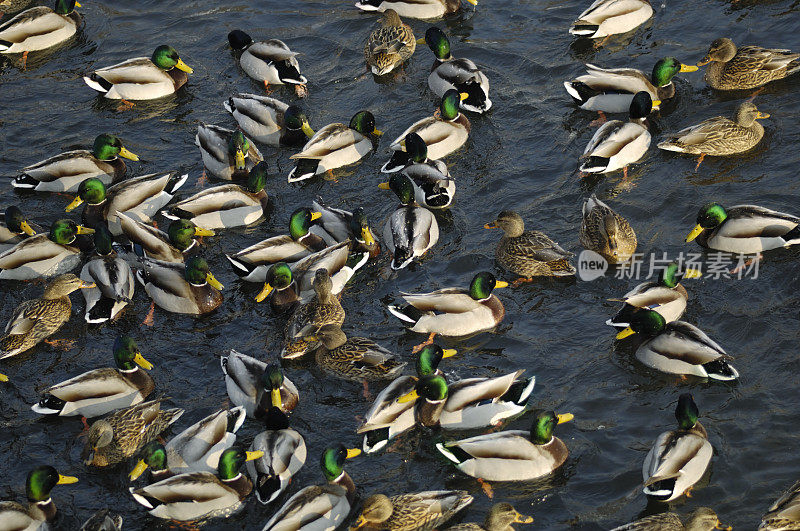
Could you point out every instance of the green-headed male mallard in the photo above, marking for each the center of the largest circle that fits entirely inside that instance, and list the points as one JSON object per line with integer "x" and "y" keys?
{"x": 101, "y": 391}
{"x": 337, "y": 225}
{"x": 321, "y": 506}
{"x": 174, "y": 245}
{"x": 746, "y": 67}
{"x": 528, "y": 253}
{"x": 423, "y": 9}
{"x": 187, "y": 288}
{"x": 227, "y": 154}
{"x": 353, "y": 358}
{"x": 405, "y": 512}
{"x": 390, "y": 45}
{"x": 269, "y": 121}
{"x": 745, "y": 229}
{"x": 678, "y": 458}
{"x": 142, "y": 78}
{"x": 112, "y": 278}
{"x": 334, "y": 146}
{"x": 513, "y": 455}
{"x": 40, "y": 510}
{"x": 40, "y": 28}
{"x": 783, "y": 514}
{"x": 678, "y": 347}
{"x": 14, "y": 228}
{"x": 66, "y": 171}
{"x": 199, "y": 496}
{"x": 270, "y": 62}
{"x": 35, "y": 320}
{"x": 499, "y": 518}
{"x": 462, "y": 75}
{"x": 256, "y": 385}
{"x": 433, "y": 186}
{"x": 606, "y": 232}
{"x": 701, "y": 519}
{"x": 44, "y": 255}
{"x": 411, "y": 230}
{"x": 611, "y": 17}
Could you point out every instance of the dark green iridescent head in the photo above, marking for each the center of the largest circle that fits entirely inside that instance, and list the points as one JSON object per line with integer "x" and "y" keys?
{"x": 359, "y": 223}
{"x": 482, "y": 285}
{"x": 165, "y": 57}
{"x": 273, "y": 377}
{"x": 41, "y": 481}
{"x": 686, "y": 412}
{"x": 364, "y": 123}
{"x": 438, "y": 43}
{"x": 230, "y": 462}
{"x": 449, "y": 105}
{"x": 544, "y": 422}
{"x": 664, "y": 70}
{"x": 428, "y": 359}
{"x": 671, "y": 275}
{"x": 257, "y": 178}
{"x": 155, "y": 456}
{"x": 416, "y": 148}
{"x": 401, "y": 185}
{"x": 63, "y": 231}
{"x": 333, "y": 458}
{"x": 711, "y": 215}
{"x": 92, "y": 191}
{"x": 103, "y": 239}
{"x": 181, "y": 233}
{"x": 279, "y": 276}
{"x": 125, "y": 350}
{"x": 294, "y": 118}
{"x": 432, "y": 387}
{"x": 196, "y": 271}
{"x": 238, "y": 146}
{"x": 65, "y": 7}
{"x": 300, "y": 222}
{"x": 106, "y": 147}
{"x": 14, "y": 219}
{"x": 647, "y": 322}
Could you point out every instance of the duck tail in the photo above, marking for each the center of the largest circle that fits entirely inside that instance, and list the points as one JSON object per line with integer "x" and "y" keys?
{"x": 100, "y": 312}
{"x": 369, "y": 5}
{"x": 595, "y": 165}
{"x": 580, "y": 91}
{"x": 97, "y": 83}
{"x": 402, "y": 258}
{"x": 144, "y": 499}
{"x": 267, "y": 487}
{"x": 375, "y": 439}
{"x": 49, "y": 405}
{"x": 792, "y": 237}
{"x": 453, "y": 453}
{"x": 240, "y": 267}
{"x": 407, "y": 313}
{"x": 236, "y": 418}
{"x": 584, "y": 29}
{"x": 25, "y": 182}
{"x": 398, "y": 161}
{"x": 660, "y": 487}
{"x": 305, "y": 169}
{"x": 175, "y": 182}
{"x": 229, "y": 105}
{"x": 719, "y": 369}
{"x": 5, "y": 45}
{"x": 622, "y": 319}
{"x": 520, "y": 391}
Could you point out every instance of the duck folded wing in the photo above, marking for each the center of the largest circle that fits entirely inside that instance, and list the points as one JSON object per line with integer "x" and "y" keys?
{"x": 25, "y": 316}
{"x": 430, "y": 129}
{"x": 707, "y": 131}
{"x": 30, "y": 23}
{"x": 111, "y": 277}
{"x": 285, "y": 451}
{"x": 153, "y": 240}
{"x": 199, "y": 446}
{"x": 99, "y": 383}
{"x": 313, "y": 507}
{"x": 245, "y": 372}
{"x": 139, "y": 70}
{"x": 786, "y": 508}
{"x": 686, "y": 340}
{"x": 371, "y": 353}
{"x": 273, "y": 250}
{"x": 536, "y": 249}
{"x": 14, "y": 516}
{"x": 332, "y": 258}
{"x": 745, "y": 221}
{"x": 213, "y": 139}
{"x": 458, "y": 71}
{"x": 271, "y": 50}
{"x": 69, "y": 163}
{"x": 330, "y": 138}
{"x": 131, "y": 193}
{"x": 612, "y": 138}
{"x": 616, "y": 80}
{"x": 37, "y": 248}
{"x": 167, "y": 277}
{"x": 197, "y": 487}
{"x": 449, "y": 300}
{"x": 511, "y": 444}
{"x": 752, "y": 58}
{"x": 472, "y": 390}
{"x": 673, "y": 454}
{"x": 605, "y": 11}
{"x": 386, "y": 409}
{"x": 651, "y": 295}
{"x": 225, "y": 197}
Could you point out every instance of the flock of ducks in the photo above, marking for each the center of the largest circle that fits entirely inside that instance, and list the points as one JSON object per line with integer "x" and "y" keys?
{"x": 197, "y": 475}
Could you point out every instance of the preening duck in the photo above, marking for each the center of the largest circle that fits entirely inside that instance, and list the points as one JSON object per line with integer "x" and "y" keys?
{"x": 270, "y": 62}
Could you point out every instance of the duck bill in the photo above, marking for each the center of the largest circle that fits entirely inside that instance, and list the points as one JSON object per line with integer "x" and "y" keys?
{"x": 203, "y": 232}
{"x": 361, "y": 522}
{"x": 625, "y": 333}
{"x": 704, "y": 61}
{"x": 522, "y": 519}
{"x": 252, "y": 456}
{"x": 408, "y": 397}
{"x": 692, "y": 273}
{"x": 141, "y": 362}
{"x": 26, "y": 228}
{"x": 720, "y": 525}
{"x": 695, "y": 233}
{"x": 377, "y": 132}
{"x": 66, "y": 480}
{"x": 353, "y": 452}
{"x": 87, "y": 285}
{"x": 463, "y": 95}
{"x": 367, "y": 236}
{"x": 315, "y": 216}
{"x": 656, "y": 104}
{"x": 3, "y": 378}
{"x": 213, "y": 281}
{"x": 84, "y": 230}
{"x": 74, "y": 204}
{"x": 180, "y": 65}
{"x": 123, "y": 152}
{"x": 238, "y": 159}
{"x": 264, "y": 293}
{"x": 421, "y": 41}
{"x": 138, "y": 470}
{"x": 473, "y": 2}
{"x": 449, "y": 352}
{"x": 500, "y": 284}
{"x": 275, "y": 398}
{"x": 492, "y": 225}
{"x": 762, "y": 115}
{"x": 77, "y": 4}
{"x": 384, "y": 186}
{"x": 562, "y": 418}
{"x": 688, "y": 68}
{"x": 307, "y": 130}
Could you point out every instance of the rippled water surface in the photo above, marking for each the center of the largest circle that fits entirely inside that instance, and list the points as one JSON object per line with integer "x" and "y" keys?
{"x": 522, "y": 155}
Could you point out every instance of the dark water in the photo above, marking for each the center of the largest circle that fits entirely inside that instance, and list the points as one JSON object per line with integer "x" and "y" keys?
{"x": 522, "y": 155}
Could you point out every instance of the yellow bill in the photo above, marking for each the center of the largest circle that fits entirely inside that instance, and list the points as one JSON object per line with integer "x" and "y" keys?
{"x": 203, "y": 232}
{"x": 448, "y": 352}
{"x": 656, "y": 103}
{"x": 473, "y": 2}
{"x": 238, "y": 159}
{"x": 377, "y": 132}
{"x": 307, "y": 130}
{"x": 264, "y": 293}
{"x": 500, "y": 284}
{"x": 74, "y": 204}
{"x": 84, "y": 230}
{"x": 141, "y": 362}
{"x": 315, "y": 216}
{"x": 87, "y": 285}
{"x": 361, "y": 522}
{"x": 408, "y": 397}
{"x": 695, "y": 233}
{"x": 123, "y": 152}
{"x": 353, "y": 452}
{"x": 463, "y": 95}
{"x": 213, "y": 281}
{"x": 704, "y": 61}
{"x": 183, "y": 66}
{"x": 565, "y": 417}
{"x": 367, "y": 236}
{"x": 275, "y": 397}
{"x": 26, "y": 228}
{"x": 3, "y": 378}
{"x": 66, "y": 480}
{"x": 421, "y": 41}
{"x": 688, "y": 68}
{"x": 252, "y": 456}
{"x": 762, "y": 115}
{"x": 138, "y": 470}
{"x": 625, "y": 333}
{"x": 692, "y": 273}
{"x": 522, "y": 519}
{"x": 384, "y": 186}
{"x": 492, "y": 225}
{"x": 78, "y": 5}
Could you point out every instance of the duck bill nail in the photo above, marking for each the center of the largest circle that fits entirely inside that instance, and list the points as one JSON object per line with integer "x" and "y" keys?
{"x": 449, "y": 352}
{"x": 252, "y": 456}
{"x": 353, "y": 452}
{"x": 138, "y": 470}
{"x": 695, "y": 233}
{"x": 307, "y": 130}
{"x": 275, "y": 398}
{"x": 123, "y": 152}
{"x": 66, "y": 480}
{"x": 141, "y": 362}
{"x": 26, "y": 228}
{"x": 689, "y": 68}
{"x": 315, "y": 216}
{"x": 183, "y": 66}
{"x": 74, "y": 204}
{"x": 213, "y": 281}
{"x": 500, "y": 284}
{"x": 625, "y": 333}
{"x": 264, "y": 293}
{"x": 565, "y": 417}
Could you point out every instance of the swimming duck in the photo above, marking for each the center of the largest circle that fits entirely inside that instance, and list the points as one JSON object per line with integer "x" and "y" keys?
{"x": 665, "y": 296}
{"x": 443, "y": 133}
{"x": 433, "y": 186}
{"x": 40, "y": 510}
{"x": 513, "y": 455}
{"x": 423, "y": 9}
{"x": 353, "y": 358}
{"x": 701, "y": 519}
{"x": 174, "y": 245}
{"x": 387, "y": 417}
{"x": 334, "y": 146}
{"x": 746, "y": 67}
{"x": 337, "y": 259}
{"x": 457, "y": 74}
{"x": 528, "y": 253}
{"x": 227, "y": 154}
{"x": 419, "y": 510}
{"x": 103, "y": 520}
{"x": 390, "y": 45}
{"x": 14, "y": 228}
{"x": 782, "y": 514}
{"x": 122, "y": 434}
{"x": 140, "y": 198}
{"x": 44, "y": 255}
{"x": 142, "y": 78}
{"x": 411, "y": 230}
{"x": 33, "y": 321}
{"x": 320, "y": 506}
{"x": 500, "y": 518}
{"x": 270, "y": 62}
{"x": 101, "y": 391}
{"x": 678, "y": 347}
{"x": 112, "y": 278}
{"x": 453, "y": 312}
{"x": 745, "y": 229}
{"x": 40, "y": 28}
{"x": 337, "y": 225}
{"x": 188, "y": 288}
{"x": 269, "y": 121}
{"x": 284, "y": 455}
{"x": 612, "y": 89}
{"x": 617, "y": 144}
{"x": 199, "y": 496}
{"x": 226, "y": 206}
{"x": 249, "y": 381}
{"x": 66, "y": 171}
{"x": 678, "y": 458}
{"x": 611, "y": 17}
{"x": 606, "y": 232}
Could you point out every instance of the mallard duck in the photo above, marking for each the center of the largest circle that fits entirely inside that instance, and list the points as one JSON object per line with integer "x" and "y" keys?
{"x": 199, "y": 496}
{"x": 337, "y": 225}
{"x": 606, "y": 232}
{"x": 453, "y": 312}
{"x": 14, "y": 228}
{"x": 353, "y": 358}
{"x": 745, "y": 229}
{"x": 142, "y": 78}
{"x": 443, "y": 133}
{"x": 40, "y": 28}
{"x": 500, "y": 518}
{"x": 188, "y": 288}
{"x": 665, "y": 296}
{"x": 432, "y": 184}
{"x": 40, "y": 510}
{"x": 678, "y": 347}
{"x": 783, "y": 514}
{"x": 103, "y": 520}
{"x": 270, "y": 62}
{"x": 448, "y": 73}
{"x": 66, "y": 171}
{"x": 253, "y": 262}
{"x": 284, "y": 455}
{"x": 269, "y": 121}
{"x": 334, "y": 146}
{"x": 387, "y": 417}
{"x": 424, "y": 9}
{"x": 390, "y": 45}
{"x": 411, "y": 230}
{"x": 320, "y": 506}
{"x": 528, "y": 253}
{"x": 112, "y": 278}
{"x": 228, "y": 155}
{"x": 174, "y": 245}
{"x": 617, "y": 144}
{"x": 611, "y": 17}
{"x": 122, "y": 434}
{"x": 419, "y": 510}
{"x": 746, "y": 67}
{"x": 249, "y": 381}
{"x": 140, "y": 198}
{"x": 612, "y": 89}
{"x": 512, "y": 455}
{"x": 101, "y": 391}
{"x": 44, "y": 255}
{"x": 678, "y": 458}
{"x": 701, "y": 519}
{"x": 33, "y": 321}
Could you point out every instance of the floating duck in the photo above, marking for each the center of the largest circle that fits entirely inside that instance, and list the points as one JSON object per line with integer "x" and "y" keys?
{"x": 15, "y": 228}
{"x": 40, "y": 28}
{"x": 390, "y": 45}
{"x": 188, "y": 288}
{"x": 606, "y": 232}
{"x": 41, "y": 509}
{"x": 611, "y": 17}
{"x": 44, "y": 255}
{"x": 269, "y": 121}
{"x": 249, "y": 381}
{"x": 419, "y": 510}
{"x": 423, "y": 9}
{"x": 748, "y": 67}
{"x": 227, "y": 154}
{"x": 411, "y": 230}
{"x": 270, "y": 62}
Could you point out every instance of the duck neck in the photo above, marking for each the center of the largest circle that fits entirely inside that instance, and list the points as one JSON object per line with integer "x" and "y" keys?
{"x": 44, "y": 510}
{"x": 241, "y": 484}
{"x": 346, "y": 482}
{"x": 429, "y": 411}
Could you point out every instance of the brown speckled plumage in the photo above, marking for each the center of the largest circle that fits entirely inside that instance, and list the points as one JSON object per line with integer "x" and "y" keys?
{"x": 390, "y": 45}
{"x": 606, "y": 232}
{"x": 719, "y": 136}
{"x": 529, "y": 253}
{"x": 746, "y": 67}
